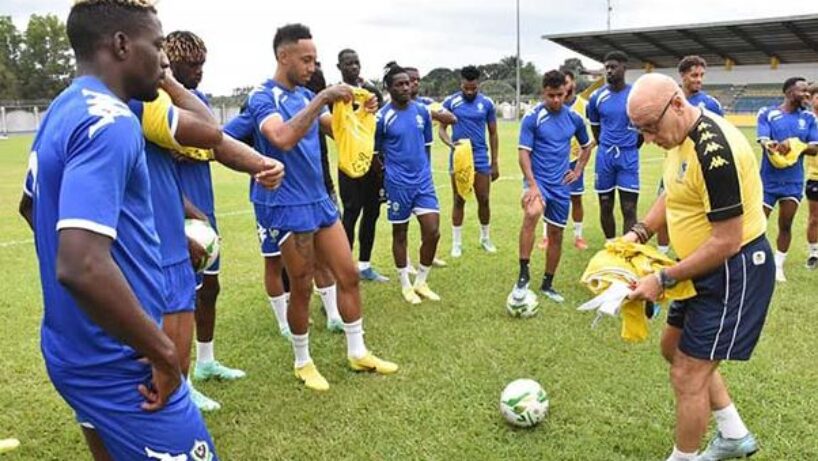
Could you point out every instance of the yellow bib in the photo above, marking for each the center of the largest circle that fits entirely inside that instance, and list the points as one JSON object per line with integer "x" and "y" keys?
{"x": 790, "y": 158}
{"x": 159, "y": 124}
{"x": 463, "y": 168}
{"x": 354, "y": 133}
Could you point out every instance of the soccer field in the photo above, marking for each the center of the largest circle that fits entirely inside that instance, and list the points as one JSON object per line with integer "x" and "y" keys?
{"x": 609, "y": 400}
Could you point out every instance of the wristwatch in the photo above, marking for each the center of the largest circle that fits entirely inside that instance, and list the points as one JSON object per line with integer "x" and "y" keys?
{"x": 666, "y": 280}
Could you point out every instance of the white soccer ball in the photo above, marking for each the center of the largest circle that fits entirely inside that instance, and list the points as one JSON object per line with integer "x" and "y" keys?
{"x": 200, "y": 232}
{"x": 527, "y": 307}
{"x": 524, "y": 403}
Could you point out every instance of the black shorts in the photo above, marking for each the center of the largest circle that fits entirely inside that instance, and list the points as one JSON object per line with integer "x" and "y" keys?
{"x": 724, "y": 320}
{"x": 811, "y": 190}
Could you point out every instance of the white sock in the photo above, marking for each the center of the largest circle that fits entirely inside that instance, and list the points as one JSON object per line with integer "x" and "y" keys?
{"x": 279, "y": 305}
{"x": 813, "y": 249}
{"x": 779, "y": 259}
{"x": 484, "y": 232}
{"x": 423, "y": 274}
{"x": 355, "y": 339}
{"x": 287, "y": 297}
{"x": 544, "y": 230}
{"x": 663, "y": 249}
{"x": 204, "y": 352}
{"x": 403, "y": 274}
{"x": 577, "y": 230}
{"x": 678, "y": 455}
{"x": 301, "y": 347}
{"x": 329, "y": 296}
{"x": 609, "y": 240}
{"x": 364, "y": 265}
{"x": 457, "y": 232}
{"x": 729, "y": 423}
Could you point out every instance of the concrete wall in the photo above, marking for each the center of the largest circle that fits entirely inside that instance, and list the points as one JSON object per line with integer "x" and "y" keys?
{"x": 742, "y": 75}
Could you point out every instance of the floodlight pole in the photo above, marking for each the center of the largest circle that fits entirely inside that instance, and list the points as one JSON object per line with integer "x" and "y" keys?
{"x": 610, "y": 10}
{"x": 517, "y": 107}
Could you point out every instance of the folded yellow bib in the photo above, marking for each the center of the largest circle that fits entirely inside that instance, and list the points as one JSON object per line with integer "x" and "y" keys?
{"x": 790, "y": 158}
{"x": 463, "y": 168}
{"x": 354, "y": 133}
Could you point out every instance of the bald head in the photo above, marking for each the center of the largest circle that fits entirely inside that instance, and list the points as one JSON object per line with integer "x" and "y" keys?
{"x": 658, "y": 109}
{"x": 649, "y": 96}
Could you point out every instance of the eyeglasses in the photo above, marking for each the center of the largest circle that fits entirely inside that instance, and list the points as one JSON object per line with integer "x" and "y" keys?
{"x": 653, "y": 128}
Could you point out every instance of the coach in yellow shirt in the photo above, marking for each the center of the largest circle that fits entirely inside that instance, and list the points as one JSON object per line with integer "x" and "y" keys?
{"x": 712, "y": 205}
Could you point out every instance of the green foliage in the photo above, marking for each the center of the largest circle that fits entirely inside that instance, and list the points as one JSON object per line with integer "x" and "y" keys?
{"x": 9, "y": 55}
{"x": 46, "y": 65}
{"x": 610, "y": 401}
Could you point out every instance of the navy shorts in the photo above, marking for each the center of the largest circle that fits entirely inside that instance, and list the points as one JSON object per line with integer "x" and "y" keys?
{"x": 482, "y": 161}
{"x": 616, "y": 168}
{"x": 180, "y": 288}
{"x": 724, "y": 320}
{"x": 557, "y": 203}
{"x": 811, "y": 190}
{"x": 776, "y": 191}
{"x": 108, "y": 402}
{"x": 264, "y": 223}
{"x": 277, "y": 223}
{"x": 577, "y": 187}
{"x": 403, "y": 202}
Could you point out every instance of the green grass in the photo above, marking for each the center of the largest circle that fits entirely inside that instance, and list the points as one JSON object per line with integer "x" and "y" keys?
{"x": 610, "y": 400}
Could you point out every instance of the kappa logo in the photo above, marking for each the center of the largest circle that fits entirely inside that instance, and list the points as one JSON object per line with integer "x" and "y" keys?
{"x": 712, "y": 147}
{"x": 717, "y": 162}
{"x": 706, "y": 136}
{"x": 106, "y": 107}
{"x": 164, "y": 456}
{"x": 201, "y": 451}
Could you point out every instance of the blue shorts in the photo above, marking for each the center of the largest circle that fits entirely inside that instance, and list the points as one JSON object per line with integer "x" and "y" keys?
{"x": 616, "y": 169}
{"x": 275, "y": 224}
{"x": 108, "y": 402}
{"x": 776, "y": 191}
{"x": 180, "y": 288}
{"x": 724, "y": 320}
{"x": 557, "y": 203}
{"x": 216, "y": 266}
{"x": 403, "y": 202}
{"x": 482, "y": 162}
{"x": 577, "y": 187}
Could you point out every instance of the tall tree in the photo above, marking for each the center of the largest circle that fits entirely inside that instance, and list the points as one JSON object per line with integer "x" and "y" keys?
{"x": 9, "y": 57}
{"x": 46, "y": 64}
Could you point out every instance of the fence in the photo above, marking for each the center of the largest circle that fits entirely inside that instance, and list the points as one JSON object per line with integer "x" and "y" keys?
{"x": 22, "y": 118}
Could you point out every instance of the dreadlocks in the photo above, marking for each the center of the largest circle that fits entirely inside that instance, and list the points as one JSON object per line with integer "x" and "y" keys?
{"x": 184, "y": 46}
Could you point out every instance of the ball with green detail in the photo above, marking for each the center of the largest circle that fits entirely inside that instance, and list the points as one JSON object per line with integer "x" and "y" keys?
{"x": 201, "y": 232}
{"x": 524, "y": 403}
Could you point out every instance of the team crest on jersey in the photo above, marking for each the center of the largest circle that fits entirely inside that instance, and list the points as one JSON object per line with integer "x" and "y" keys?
{"x": 802, "y": 124}
{"x": 480, "y": 106}
{"x": 419, "y": 120}
{"x": 201, "y": 451}
{"x": 395, "y": 206}
{"x": 106, "y": 107}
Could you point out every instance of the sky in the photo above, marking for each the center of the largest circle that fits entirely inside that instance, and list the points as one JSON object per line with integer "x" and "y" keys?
{"x": 420, "y": 33}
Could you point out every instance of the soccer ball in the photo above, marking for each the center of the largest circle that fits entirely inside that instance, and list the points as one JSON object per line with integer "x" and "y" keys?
{"x": 201, "y": 232}
{"x": 524, "y": 403}
{"x": 528, "y": 307}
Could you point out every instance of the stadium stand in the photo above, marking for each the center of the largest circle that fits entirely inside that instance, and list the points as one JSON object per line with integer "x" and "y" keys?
{"x": 748, "y": 60}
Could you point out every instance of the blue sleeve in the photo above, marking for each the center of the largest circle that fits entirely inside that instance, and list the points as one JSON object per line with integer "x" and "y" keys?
{"x": 447, "y": 103}
{"x": 427, "y": 125}
{"x": 379, "y": 132}
{"x": 812, "y": 130}
{"x": 715, "y": 106}
{"x": 261, "y": 106}
{"x": 491, "y": 112}
{"x": 527, "y": 129}
{"x": 581, "y": 132}
{"x": 591, "y": 112}
{"x": 96, "y": 174}
{"x": 763, "y": 131}
{"x": 240, "y": 127}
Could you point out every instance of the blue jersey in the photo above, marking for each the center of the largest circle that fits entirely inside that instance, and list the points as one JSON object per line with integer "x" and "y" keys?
{"x": 195, "y": 178}
{"x": 608, "y": 109}
{"x": 547, "y": 136}
{"x": 705, "y": 101}
{"x": 472, "y": 119}
{"x": 304, "y": 181}
{"x": 425, "y": 100}
{"x": 90, "y": 172}
{"x": 402, "y": 137}
{"x": 166, "y": 195}
{"x": 776, "y": 125}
